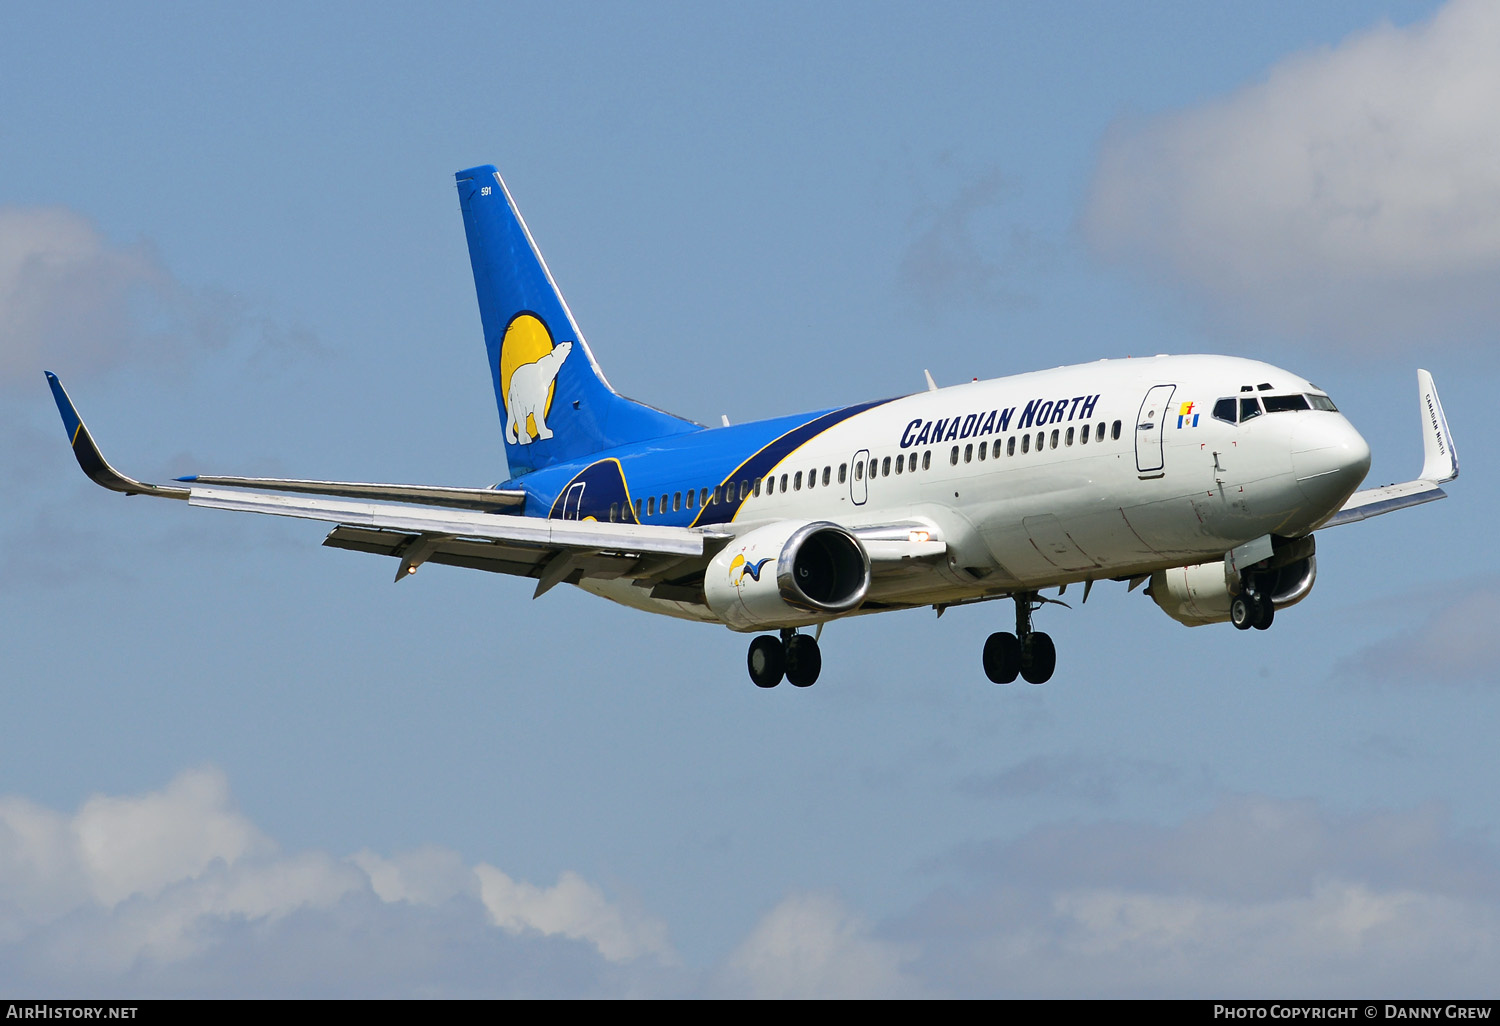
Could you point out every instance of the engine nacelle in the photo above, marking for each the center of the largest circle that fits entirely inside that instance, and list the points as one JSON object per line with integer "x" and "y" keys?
{"x": 787, "y": 575}
{"x": 1200, "y": 594}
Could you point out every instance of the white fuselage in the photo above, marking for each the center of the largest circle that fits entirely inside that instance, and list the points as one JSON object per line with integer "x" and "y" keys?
{"x": 1000, "y": 471}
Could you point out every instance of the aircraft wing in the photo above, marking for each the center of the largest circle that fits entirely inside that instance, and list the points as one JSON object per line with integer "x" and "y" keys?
{"x": 553, "y": 551}
{"x": 1439, "y": 465}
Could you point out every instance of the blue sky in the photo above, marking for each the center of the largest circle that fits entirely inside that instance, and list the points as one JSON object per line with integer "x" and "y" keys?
{"x": 237, "y": 763}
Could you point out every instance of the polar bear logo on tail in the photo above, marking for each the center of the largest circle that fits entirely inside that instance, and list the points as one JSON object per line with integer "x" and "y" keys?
{"x": 530, "y": 385}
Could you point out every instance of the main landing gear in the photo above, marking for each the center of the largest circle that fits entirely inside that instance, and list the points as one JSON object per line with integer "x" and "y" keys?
{"x": 1252, "y": 607}
{"x": 794, "y": 656}
{"x": 1027, "y": 652}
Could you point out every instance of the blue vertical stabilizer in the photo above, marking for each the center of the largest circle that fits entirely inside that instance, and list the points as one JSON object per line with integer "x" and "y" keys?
{"x": 554, "y": 402}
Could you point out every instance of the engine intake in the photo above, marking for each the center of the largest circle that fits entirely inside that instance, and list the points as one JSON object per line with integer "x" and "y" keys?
{"x": 787, "y": 575}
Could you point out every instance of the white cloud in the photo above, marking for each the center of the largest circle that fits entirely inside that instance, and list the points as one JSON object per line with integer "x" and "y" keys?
{"x": 1351, "y": 195}
{"x": 810, "y": 946}
{"x": 144, "y": 893}
{"x": 1257, "y": 897}
{"x": 572, "y": 908}
{"x": 176, "y": 893}
{"x": 72, "y": 301}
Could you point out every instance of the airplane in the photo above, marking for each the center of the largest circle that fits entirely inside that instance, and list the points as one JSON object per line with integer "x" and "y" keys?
{"x": 1203, "y": 477}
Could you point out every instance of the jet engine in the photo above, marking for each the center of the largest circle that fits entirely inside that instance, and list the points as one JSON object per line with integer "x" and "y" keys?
{"x": 1202, "y": 593}
{"x": 787, "y": 575}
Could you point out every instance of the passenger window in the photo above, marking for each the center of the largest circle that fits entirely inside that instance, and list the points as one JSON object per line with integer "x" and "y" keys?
{"x": 771, "y": 485}
{"x": 1055, "y": 434}
{"x": 1025, "y": 443}
{"x": 1249, "y": 407}
{"x": 982, "y": 447}
{"x": 744, "y": 490}
{"x": 783, "y": 482}
{"x": 927, "y": 460}
{"x": 651, "y": 506}
{"x": 812, "y": 478}
{"x": 1099, "y": 434}
{"x": 638, "y": 509}
{"x": 797, "y": 482}
{"x": 885, "y": 467}
{"x": 664, "y": 505}
{"x": 900, "y": 464}
{"x": 690, "y": 499}
{"x": 1041, "y": 440}
{"x": 756, "y": 487}
{"x": 1114, "y": 432}
{"x": 1010, "y": 446}
{"x": 703, "y": 497}
{"x": 859, "y": 471}
{"x": 1083, "y": 434}
{"x": 614, "y": 512}
{"x": 953, "y": 456}
{"x": 969, "y": 453}
{"x": 676, "y": 501}
{"x": 828, "y": 472}
{"x": 841, "y": 472}
{"x": 1224, "y": 410}
{"x": 1068, "y": 438}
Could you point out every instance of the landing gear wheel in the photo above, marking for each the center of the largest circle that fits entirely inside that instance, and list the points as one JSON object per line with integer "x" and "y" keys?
{"x": 1242, "y": 613}
{"x": 1038, "y": 658}
{"x": 767, "y": 661}
{"x": 803, "y": 660}
{"x": 1265, "y": 612}
{"x": 1002, "y": 657}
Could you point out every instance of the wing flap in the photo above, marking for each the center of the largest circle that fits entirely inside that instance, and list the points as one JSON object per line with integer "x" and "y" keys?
{"x": 546, "y": 535}
{"x": 475, "y": 554}
{"x": 482, "y": 499}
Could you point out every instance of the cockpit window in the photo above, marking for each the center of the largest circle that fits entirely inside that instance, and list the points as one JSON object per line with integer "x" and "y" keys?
{"x": 1249, "y": 407}
{"x": 1224, "y": 409}
{"x": 1285, "y": 403}
{"x": 1322, "y": 402}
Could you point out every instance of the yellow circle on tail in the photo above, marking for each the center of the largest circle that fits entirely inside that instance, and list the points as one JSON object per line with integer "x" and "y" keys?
{"x": 526, "y": 340}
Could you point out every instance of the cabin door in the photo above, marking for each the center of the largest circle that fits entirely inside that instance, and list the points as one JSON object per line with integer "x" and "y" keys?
{"x": 573, "y": 501}
{"x": 1149, "y": 430}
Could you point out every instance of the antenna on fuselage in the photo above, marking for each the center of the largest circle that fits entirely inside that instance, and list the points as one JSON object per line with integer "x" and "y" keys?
{"x": 931, "y": 385}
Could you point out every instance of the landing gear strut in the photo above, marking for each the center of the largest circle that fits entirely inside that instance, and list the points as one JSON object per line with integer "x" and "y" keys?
{"x": 794, "y": 656}
{"x": 1026, "y": 652}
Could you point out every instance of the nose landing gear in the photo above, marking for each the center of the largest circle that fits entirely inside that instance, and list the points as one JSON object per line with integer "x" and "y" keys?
{"x": 793, "y": 656}
{"x": 1028, "y": 653}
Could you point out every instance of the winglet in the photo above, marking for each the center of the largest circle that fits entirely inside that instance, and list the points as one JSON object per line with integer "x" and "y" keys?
{"x": 1440, "y": 456}
{"x": 92, "y": 460}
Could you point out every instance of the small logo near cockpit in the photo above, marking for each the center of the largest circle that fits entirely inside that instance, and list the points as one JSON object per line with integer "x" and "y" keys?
{"x": 1187, "y": 415}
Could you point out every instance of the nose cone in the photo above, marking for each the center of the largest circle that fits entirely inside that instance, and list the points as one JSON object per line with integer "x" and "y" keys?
{"x": 1330, "y": 459}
